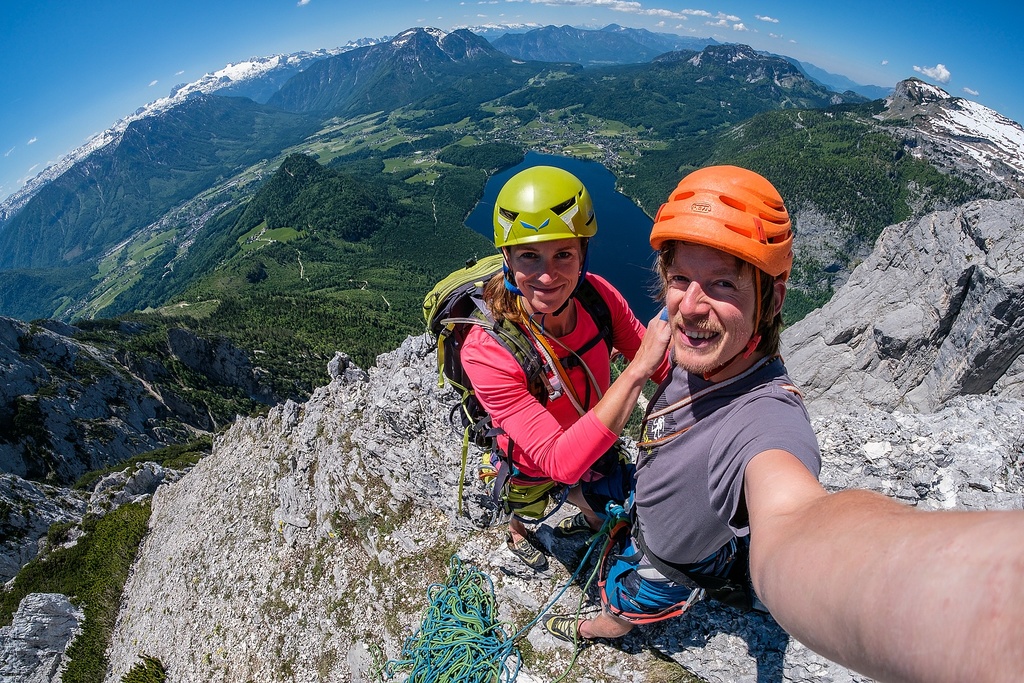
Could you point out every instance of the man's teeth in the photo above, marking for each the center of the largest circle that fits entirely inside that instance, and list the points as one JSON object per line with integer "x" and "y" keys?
{"x": 699, "y": 334}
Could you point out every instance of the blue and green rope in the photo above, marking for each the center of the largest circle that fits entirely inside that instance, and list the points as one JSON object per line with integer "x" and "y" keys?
{"x": 461, "y": 639}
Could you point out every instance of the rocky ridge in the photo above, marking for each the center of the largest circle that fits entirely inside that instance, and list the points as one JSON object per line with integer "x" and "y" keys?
{"x": 301, "y": 549}
{"x": 958, "y": 134}
{"x": 936, "y": 311}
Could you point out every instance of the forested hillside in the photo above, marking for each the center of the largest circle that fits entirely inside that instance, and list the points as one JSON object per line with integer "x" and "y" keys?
{"x": 319, "y": 260}
{"x": 330, "y": 244}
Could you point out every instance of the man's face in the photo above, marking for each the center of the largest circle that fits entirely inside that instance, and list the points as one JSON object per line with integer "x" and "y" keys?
{"x": 710, "y": 297}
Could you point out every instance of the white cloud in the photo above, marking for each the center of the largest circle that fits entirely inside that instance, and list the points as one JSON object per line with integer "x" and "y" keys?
{"x": 939, "y": 72}
{"x": 152, "y": 83}
{"x": 626, "y": 6}
{"x": 971, "y": 92}
{"x": 739, "y": 27}
{"x": 885, "y": 62}
{"x": 178, "y": 73}
{"x": 32, "y": 141}
{"x": 8, "y": 153}
{"x": 768, "y": 19}
{"x": 302, "y": 3}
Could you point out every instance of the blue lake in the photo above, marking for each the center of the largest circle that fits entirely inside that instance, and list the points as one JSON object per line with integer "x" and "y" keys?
{"x": 620, "y": 252}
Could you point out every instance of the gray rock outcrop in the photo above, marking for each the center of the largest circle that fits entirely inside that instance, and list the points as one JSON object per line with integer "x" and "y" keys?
{"x": 67, "y": 407}
{"x": 27, "y": 510}
{"x": 220, "y": 361}
{"x": 32, "y": 648}
{"x": 936, "y": 311}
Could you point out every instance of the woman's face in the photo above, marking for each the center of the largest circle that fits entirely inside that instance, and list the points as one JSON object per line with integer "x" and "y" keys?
{"x": 546, "y": 272}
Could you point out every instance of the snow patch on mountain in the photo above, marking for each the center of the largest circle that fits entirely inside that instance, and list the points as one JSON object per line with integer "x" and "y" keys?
{"x": 969, "y": 132}
{"x": 1001, "y": 138}
{"x": 232, "y": 74}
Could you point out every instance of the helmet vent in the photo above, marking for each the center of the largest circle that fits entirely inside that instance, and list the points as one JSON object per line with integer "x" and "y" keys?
{"x": 734, "y": 203}
{"x": 775, "y": 219}
{"x": 510, "y": 215}
{"x": 559, "y": 209}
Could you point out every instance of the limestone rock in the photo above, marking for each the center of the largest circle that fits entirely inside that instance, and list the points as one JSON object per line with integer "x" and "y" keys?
{"x": 32, "y": 647}
{"x": 936, "y": 311}
{"x": 27, "y": 510}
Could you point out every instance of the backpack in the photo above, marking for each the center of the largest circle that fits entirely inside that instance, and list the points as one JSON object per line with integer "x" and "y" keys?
{"x": 450, "y": 310}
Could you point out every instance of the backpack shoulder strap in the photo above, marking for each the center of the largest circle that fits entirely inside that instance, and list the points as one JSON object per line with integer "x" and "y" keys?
{"x": 595, "y": 305}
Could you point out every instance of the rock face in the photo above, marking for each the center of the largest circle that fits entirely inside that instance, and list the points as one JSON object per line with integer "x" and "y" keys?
{"x": 68, "y": 407}
{"x": 936, "y": 311}
{"x": 32, "y": 647}
{"x": 220, "y": 361}
{"x": 306, "y": 542}
{"x": 27, "y": 510}
{"x": 303, "y": 547}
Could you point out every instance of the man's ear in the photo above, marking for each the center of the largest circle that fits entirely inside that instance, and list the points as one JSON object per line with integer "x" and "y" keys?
{"x": 779, "y": 296}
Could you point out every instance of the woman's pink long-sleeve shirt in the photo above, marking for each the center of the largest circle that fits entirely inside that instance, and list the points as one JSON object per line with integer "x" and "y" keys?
{"x": 553, "y": 441}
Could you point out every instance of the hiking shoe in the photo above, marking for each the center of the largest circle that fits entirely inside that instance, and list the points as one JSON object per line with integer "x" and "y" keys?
{"x": 563, "y": 628}
{"x": 570, "y": 526}
{"x": 525, "y": 551}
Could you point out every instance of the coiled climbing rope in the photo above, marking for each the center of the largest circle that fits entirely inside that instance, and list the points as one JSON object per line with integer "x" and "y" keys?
{"x": 461, "y": 640}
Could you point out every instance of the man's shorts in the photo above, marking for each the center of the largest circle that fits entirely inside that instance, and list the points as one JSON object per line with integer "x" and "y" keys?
{"x": 634, "y": 587}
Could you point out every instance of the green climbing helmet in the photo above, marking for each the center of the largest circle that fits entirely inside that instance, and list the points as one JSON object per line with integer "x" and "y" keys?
{"x": 540, "y": 204}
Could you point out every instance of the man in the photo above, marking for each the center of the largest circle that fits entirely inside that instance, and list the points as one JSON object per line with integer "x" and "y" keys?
{"x": 729, "y": 461}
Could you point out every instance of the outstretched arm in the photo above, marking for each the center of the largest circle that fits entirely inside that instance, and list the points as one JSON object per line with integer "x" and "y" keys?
{"x": 893, "y": 592}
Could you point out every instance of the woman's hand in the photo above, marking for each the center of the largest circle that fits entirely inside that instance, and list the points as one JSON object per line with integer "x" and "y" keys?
{"x": 654, "y": 346}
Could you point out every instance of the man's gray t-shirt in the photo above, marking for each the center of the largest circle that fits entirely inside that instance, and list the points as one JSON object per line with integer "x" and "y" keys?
{"x": 689, "y": 490}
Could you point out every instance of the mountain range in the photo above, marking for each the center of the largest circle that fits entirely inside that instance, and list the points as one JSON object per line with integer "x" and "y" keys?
{"x": 121, "y": 227}
{"x": 226, "y": 253}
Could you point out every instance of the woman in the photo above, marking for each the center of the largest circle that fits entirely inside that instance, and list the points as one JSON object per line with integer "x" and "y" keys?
{"x": 543, "y": 219}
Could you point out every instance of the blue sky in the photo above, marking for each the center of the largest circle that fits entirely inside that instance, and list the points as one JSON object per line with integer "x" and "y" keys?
{"x": 68, "y": 70}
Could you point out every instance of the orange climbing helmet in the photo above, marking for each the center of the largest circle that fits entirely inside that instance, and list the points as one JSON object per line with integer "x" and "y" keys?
{"x": 731, "y": 209}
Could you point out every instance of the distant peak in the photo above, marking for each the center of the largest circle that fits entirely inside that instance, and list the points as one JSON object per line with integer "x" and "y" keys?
{"x": 916, "y": 91}
{"x": 405, "y": 36}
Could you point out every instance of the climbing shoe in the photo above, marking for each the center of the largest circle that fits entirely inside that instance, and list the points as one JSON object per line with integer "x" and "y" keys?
{"x": 563, "y": 628}
{"x": 526, "y": 552}
{"x": 570, "y": 526}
